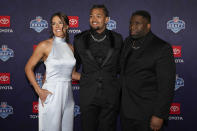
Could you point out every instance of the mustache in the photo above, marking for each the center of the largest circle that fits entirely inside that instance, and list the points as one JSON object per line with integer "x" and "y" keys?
{"x": 94, "y": 29}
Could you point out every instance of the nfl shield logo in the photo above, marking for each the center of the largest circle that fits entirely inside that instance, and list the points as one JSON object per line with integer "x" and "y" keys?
{"x": 179, "y": 82}
{"x": 39, "y": 79}
{"x": 5, "y": 110}
{"x": 111, "y": 25}
{"x": 76, "y": 110}
{"x": 175, "y": 24}
{"x": 4, "y": 47}
{"x": 6, "y": 53}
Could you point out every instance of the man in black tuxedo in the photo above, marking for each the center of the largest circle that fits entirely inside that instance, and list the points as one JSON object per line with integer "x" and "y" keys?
{"x": 147, "y": 75}
{"x": 98, "y": 51}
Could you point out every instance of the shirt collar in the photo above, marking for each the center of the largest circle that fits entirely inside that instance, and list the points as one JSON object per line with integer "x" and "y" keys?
{"x": 96, "y": 34}
{"x": 141, "y": 41}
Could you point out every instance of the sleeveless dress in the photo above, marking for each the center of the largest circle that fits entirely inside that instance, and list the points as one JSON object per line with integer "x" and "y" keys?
{"x": 58, "y": 111}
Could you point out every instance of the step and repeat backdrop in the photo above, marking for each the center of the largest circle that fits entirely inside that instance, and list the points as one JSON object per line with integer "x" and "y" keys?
{"x": 24, "y": 23}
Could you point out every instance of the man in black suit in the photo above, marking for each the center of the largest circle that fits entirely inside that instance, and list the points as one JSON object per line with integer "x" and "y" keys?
{"x": 147, "y": 75}
{"x": 98, "y": 51}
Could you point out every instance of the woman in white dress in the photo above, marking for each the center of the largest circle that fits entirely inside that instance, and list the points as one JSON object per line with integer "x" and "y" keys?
{"x": 56, "y": 104}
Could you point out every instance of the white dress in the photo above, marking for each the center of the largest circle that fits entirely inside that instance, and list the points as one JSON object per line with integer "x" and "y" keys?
{"x": 58, "y": 111}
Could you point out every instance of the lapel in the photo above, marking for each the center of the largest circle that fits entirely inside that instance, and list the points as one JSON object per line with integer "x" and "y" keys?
{"x": 127, "y": 49}
{"x": 86, "y": 38}
{"x": 109, "y": 53}
{"x": 88, "y": 52}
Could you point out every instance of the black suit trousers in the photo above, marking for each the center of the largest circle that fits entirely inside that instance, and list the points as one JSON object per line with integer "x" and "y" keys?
{"x": 129, "y": 124}
{"x": 99, "y": 115}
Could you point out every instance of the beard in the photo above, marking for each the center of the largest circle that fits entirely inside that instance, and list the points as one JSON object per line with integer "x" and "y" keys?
{"x": 138, "y": 35}
{"x": 94, "y": 28}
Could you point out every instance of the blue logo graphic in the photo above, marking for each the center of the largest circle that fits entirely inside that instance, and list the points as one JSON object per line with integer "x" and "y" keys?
{"x": 179, "y": 83}
{"x": 38, "y": 24}
{"x": 5, "y": 110}
{"x": 111, "y": 25}
{"x": 76, "y": 110}
{"x": 39, "y": 79}
{"x": 175, "y": 24}
{"x": 6, "y": 53}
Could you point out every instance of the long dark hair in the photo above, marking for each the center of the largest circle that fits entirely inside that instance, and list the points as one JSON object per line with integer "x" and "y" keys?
{"x": 64, "y": 19}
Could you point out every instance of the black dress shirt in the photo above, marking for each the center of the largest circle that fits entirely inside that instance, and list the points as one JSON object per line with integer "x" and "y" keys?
{"x": 99, "y": 49}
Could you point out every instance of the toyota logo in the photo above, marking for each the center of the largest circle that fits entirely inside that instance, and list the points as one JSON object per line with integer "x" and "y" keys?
{"x": 176, "y": 51}
{"x": 35, "y": 107}
{"x": 72, "y": 21}
{"x": 4, "y": 21}
{"x": 4, "y": 78}
{"x": 174, "y": 108}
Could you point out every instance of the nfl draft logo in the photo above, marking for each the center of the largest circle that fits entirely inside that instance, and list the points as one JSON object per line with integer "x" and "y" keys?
{"x": 6, "y": 53}
{"x": 5, "y": 110}
{"x": 39, "y": 79}
{"x": 175, "y": 24}
{"x": 179, "y": 82}
{"x": 38, "y": 24}
{"x": 76, "y": 110}
{"x": 111, "y": 25}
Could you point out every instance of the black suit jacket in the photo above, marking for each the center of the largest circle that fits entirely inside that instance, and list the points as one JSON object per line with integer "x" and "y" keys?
{"x": 95, "y": 77}
{"x": 148, "y": 79}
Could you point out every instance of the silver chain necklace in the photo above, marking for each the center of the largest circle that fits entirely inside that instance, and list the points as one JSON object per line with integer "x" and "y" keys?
{"x": 98, "y": 40}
